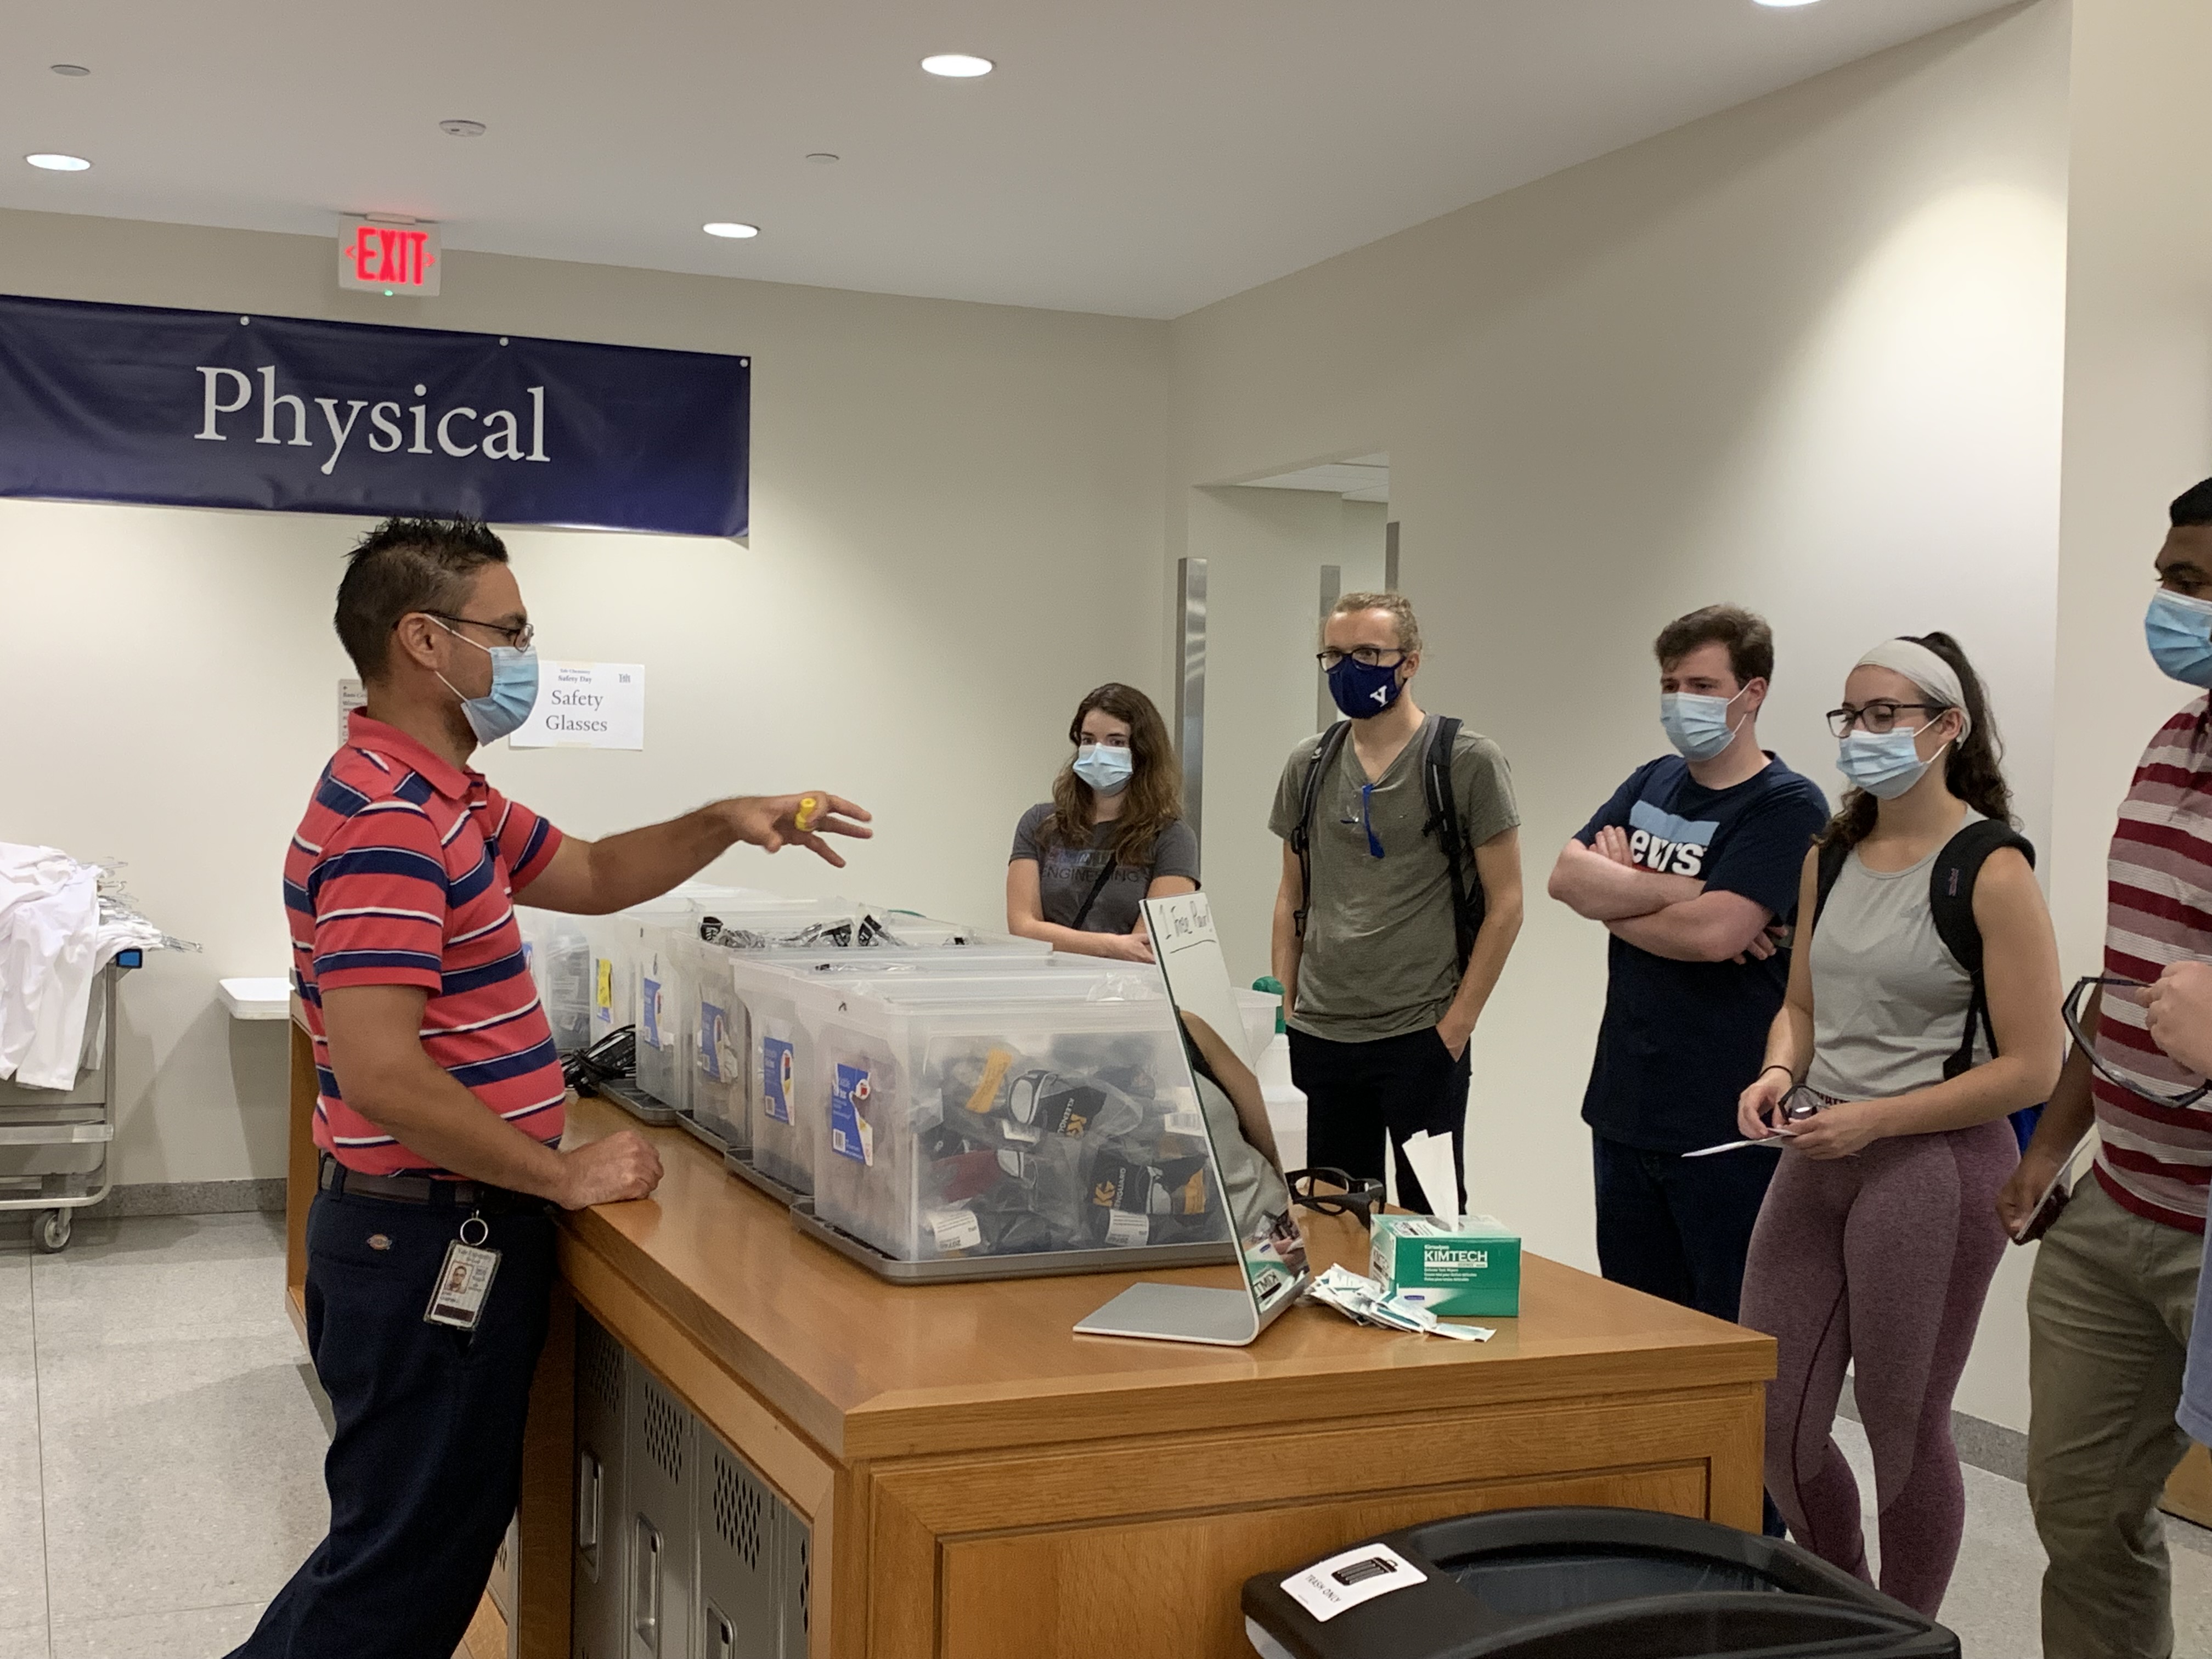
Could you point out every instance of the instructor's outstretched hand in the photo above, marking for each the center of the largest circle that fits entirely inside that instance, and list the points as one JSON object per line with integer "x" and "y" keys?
{"x": 772, "y": 823}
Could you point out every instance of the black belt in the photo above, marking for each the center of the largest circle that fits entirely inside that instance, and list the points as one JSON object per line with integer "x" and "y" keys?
{"x": 335, "y": 1177}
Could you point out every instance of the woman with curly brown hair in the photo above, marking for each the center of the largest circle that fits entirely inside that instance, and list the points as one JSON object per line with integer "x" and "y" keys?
{"x": 1891, "y": 1070}
{"x": 1111, "y": 836}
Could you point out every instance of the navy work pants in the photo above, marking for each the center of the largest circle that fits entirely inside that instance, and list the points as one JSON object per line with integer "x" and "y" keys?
{"x": 426, "y": 1465}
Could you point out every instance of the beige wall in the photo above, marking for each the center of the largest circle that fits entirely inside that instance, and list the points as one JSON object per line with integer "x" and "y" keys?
{"x": 2138, "y": 404}
{"x": 1264, "y": 551}
{"x": 1805, "y": 354}
{"x": 956, "y": 523}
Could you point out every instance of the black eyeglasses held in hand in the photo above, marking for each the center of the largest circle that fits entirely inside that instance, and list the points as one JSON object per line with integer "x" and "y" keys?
{"x": 2112, "y": 1075}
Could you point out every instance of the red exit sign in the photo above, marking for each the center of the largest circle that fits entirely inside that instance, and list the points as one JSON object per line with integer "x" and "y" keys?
{"x": 388, "y": 257}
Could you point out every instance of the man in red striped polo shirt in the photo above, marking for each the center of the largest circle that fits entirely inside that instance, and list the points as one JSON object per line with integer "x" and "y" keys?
{"x": 439, "y": 1102}
{"x": 2110, "y": 1305}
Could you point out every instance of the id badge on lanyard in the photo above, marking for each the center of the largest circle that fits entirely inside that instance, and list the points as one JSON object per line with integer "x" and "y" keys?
{"x": 464, "y": 1279}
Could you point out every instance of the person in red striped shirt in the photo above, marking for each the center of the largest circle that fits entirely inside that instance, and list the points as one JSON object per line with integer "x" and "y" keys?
{"x": 440, "y": 1100}
{"x": 2110, "y": 1302}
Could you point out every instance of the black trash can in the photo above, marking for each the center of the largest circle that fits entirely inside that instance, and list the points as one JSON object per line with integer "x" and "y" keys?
{"x": 1579, "y": 1583}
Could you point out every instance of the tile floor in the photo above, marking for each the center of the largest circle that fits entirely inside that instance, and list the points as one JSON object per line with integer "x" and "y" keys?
{"x": 160, "y": 1442}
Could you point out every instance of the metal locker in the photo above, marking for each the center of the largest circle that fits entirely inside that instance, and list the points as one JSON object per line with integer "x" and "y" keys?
{"x": 662, "y": 1472}
{"x": 740, "y": 1605}
{"x": 795, "y": 1553}
{"x": 600, "y": 1577}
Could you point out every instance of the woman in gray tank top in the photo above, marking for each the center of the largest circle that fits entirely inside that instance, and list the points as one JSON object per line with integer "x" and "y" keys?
{"x": 1880, "y": 1234}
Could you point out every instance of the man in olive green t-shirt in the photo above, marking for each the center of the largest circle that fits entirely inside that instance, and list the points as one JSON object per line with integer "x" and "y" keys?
{"x": 1380, "y": 1013}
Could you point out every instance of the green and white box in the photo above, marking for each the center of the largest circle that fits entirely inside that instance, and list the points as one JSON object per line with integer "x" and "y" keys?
{"x": 1467, "y": 1267}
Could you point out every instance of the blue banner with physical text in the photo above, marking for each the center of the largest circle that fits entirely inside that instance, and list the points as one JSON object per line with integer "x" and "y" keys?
{"x": 210, "y": 409}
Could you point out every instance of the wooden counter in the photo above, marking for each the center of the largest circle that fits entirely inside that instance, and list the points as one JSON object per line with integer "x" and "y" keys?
{"x": 981, "y": 1481}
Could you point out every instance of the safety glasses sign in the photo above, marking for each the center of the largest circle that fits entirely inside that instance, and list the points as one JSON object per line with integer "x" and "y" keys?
{"x": 213, "y": 409}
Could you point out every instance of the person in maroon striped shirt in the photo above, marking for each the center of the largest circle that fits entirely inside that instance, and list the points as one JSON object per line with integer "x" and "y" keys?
{"x": 439, "y": 1110}
{"x": 2111, "y": 1302}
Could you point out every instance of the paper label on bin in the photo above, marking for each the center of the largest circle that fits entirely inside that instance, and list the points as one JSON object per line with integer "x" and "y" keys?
{"x": 652, "y": 1022}
{"x": 850, "y": 1135}
{"x": 956, "y": 1229}
{"x": 603, "y": 990}
{"x": 1124, "y": 1229}
{"x": 1343, "y": 1582}
{"x": 714, "y": 1043}
{"x": 775, "y": 1079}
{"x": 1186, "y": 1120}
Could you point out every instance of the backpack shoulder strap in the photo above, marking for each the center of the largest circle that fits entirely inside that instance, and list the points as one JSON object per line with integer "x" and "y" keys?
{"x": 1951, "y": 881}
{"x": 1829, "y": 867}
{"x": 1324, "y": 757}
{"x": 1467, "y": 900}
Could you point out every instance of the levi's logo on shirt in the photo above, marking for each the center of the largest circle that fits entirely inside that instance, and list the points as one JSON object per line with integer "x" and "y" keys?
{"x": 1660, "y": 840}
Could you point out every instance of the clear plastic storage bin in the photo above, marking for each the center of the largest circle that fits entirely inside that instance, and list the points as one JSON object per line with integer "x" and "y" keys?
{"x": 1003, "y": 1118}
{"x": 664, "y": 1061}
{"x": 561, "y": 966}
{"x": 765, "y": 987}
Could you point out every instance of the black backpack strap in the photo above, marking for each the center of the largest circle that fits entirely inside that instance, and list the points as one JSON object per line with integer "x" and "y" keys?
{"x": 1829, "y": 866}
{"x": 1951, "y": 900}
{"x": 1324, "y": 757}
{"x": 1083, "y": 914}
{"x": 1468, "y": 900}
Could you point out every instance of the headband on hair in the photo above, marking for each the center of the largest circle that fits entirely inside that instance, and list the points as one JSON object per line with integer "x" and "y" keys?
{"x": 1925, "y": 670}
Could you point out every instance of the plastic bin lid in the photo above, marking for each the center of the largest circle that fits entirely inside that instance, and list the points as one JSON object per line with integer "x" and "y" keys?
{"x": 1567, "y": 1583}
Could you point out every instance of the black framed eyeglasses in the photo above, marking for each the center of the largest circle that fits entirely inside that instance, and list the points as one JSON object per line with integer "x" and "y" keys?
{"x": 2112, "y": 1075}
{"x": 519, "y": 638}
{"x": 1878, "y": 716}
{"x": 1332, "y": 1192}
{"x": 1367, "y": 656}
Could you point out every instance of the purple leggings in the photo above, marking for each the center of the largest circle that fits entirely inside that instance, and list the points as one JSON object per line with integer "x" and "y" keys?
{"x": 1883, "y": 1258}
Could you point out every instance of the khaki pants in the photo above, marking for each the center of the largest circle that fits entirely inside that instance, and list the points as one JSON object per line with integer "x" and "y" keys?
{"x": 2108, "y": 1315}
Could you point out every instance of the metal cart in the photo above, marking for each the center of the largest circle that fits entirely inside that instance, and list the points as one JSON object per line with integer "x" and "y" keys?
{"x": 54, "y": 1142}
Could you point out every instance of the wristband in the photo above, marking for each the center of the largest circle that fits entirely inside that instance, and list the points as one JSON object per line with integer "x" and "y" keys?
{"x": 1787, "y": 1071}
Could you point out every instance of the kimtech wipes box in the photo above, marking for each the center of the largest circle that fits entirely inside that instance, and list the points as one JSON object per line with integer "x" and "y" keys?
{"x": 1465, "y": 1267}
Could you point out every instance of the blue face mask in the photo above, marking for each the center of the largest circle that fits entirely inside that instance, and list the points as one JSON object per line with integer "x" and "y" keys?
{"x": 1883, "y": 763}
{"x": 2179, "y": 631}
{"x": 1104, "y": 768}
{"x": 514, "y": 691}
{"x": 1697, "y": 725}
{"x": 1362, "y": 691}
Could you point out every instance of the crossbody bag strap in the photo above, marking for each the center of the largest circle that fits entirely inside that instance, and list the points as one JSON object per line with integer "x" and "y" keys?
{"x": 1082, "y": 915}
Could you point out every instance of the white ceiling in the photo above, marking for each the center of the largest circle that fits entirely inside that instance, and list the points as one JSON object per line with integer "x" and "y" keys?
{"x": 1364, "y": 478}
{"x": 1142, "y": 157}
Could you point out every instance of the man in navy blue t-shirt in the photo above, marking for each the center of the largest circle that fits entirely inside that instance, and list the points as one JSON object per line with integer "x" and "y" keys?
{"x": 1693, "y": 867}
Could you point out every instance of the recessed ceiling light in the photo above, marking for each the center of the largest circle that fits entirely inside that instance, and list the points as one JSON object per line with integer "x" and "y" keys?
{"x": 821, "y": 158}
{"x": 58, "y": 163}
{"x": 462, "y": 129}
{"x": 958, "y": 65}
{"x": 69, "y": 69}
{"x": 725, "y": 227}
{"x": 1780, "y": 4}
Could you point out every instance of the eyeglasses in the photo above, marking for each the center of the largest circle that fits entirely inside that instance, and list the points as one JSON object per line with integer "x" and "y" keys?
{"x": 1350, "y": 1197}
{"x": 1878, "y": 716}
{"x": 1367, "y": 656}
{"x": 2112, "y": 1075}
{"x": 519, "y": 638}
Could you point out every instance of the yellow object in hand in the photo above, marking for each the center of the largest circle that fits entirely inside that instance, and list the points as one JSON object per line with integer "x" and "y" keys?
{"x": 810, "y": 808}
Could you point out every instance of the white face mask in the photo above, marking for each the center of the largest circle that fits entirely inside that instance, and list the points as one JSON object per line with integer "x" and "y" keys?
{"x": 1104, "y": 766}
{"x": 1884, "y": 764}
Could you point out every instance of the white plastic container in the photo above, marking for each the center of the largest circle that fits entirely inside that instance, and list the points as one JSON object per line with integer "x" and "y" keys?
{"x": 1006, "y": 1118}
